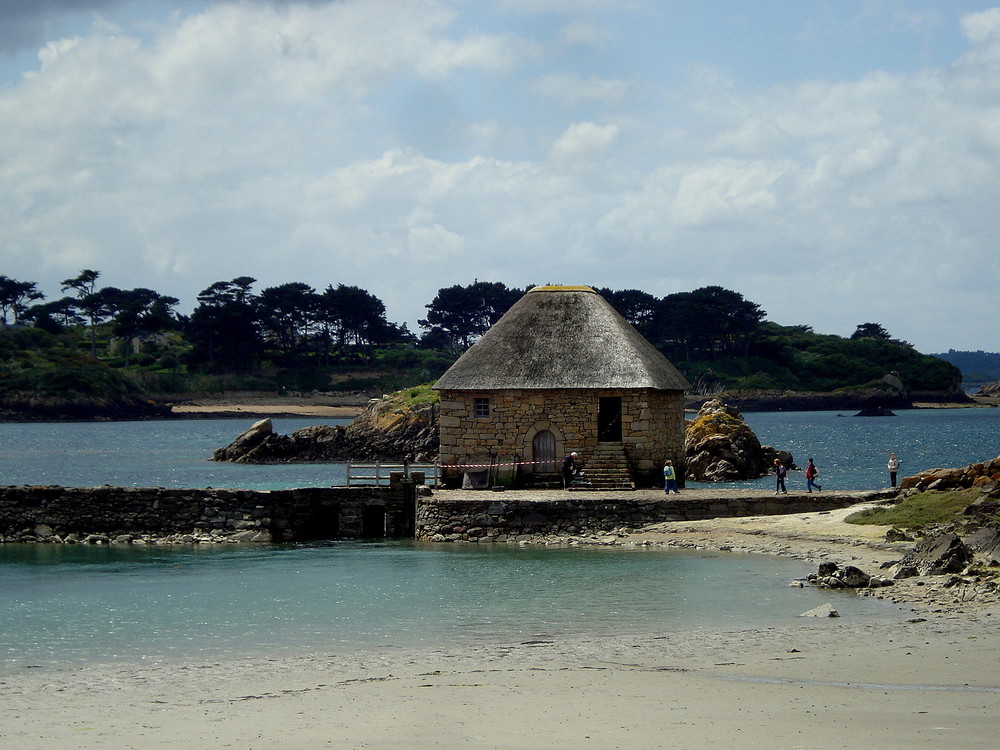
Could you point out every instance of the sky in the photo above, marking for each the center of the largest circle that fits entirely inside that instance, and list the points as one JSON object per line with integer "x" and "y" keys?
{"x": 835, "y": 161}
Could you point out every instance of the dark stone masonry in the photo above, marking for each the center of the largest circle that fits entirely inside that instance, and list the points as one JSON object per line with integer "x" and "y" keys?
{"x": 137, "y": 515}
{"x": 401, "y": 510}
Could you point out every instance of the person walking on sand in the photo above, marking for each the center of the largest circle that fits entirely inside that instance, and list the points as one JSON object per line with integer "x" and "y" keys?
{"x": 811, "y": 473}
{"x": 893, "y": 467}
{"x": 780, "y": 472}
{"x": 670, "y": 477}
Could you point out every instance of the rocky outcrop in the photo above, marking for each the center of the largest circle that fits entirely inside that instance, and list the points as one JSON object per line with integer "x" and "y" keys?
{"x": 990, "y": 389}
{"x": 985, "y": 544}
{"x": 935, "y": 555}
{"x": 876, "y": 411}
{"x": 972, "y": 540}
{"x": 719, "y": 446}
{"x": 985, "y": 475}
{"x": 388, "y": 430}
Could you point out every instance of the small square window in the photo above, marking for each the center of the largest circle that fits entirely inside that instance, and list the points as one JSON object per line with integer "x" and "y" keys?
{"x": 480, "y": 407}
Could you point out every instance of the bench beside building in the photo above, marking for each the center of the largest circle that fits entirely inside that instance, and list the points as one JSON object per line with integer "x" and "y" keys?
{"x": 562, "y": 371}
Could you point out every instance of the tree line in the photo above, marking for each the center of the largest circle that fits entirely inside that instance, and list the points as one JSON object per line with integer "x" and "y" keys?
{"x": 714, "y": 335}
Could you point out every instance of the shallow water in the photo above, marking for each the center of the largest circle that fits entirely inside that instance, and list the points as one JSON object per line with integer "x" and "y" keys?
{"x": 65, "y": 605}
{"x": 74, "y": 604}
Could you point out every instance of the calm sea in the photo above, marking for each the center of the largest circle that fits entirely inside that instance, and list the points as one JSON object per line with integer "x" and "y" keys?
{"x": 74, "y": 605}
{"x": 64, "y": 605}
{"x": 851, "y": 452}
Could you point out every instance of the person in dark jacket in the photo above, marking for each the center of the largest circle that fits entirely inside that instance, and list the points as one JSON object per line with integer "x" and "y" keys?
{"x": 780, "y": 472}
{"x": 570, "y": 469}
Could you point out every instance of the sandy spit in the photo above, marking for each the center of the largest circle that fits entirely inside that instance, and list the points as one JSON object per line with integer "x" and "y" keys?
{"x": 927, "y": 679}
{"x": 259, "y": 407}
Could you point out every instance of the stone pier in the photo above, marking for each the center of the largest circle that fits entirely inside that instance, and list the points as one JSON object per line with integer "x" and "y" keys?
{"x": 155, "y": 514}
{"x": 525, "y": 515}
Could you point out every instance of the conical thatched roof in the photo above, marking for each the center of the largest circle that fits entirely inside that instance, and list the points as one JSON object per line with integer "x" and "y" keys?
{"x": 562, "y": 337}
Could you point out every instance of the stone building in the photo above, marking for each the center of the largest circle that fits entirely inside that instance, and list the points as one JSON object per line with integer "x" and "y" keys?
{"x": 562, "y": 371}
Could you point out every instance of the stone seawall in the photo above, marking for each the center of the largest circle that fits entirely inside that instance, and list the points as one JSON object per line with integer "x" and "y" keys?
{"x": 458, "y": 516}
{"x": 155, "y": 514}
{"x": 152, "y": 515}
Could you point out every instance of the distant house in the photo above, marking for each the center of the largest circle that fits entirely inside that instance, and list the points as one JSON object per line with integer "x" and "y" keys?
{"x": 562, "y": 371}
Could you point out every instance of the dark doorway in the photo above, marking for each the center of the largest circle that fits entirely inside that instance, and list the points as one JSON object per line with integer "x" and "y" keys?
{"x": 322, "y": 524}
{"x": 373, "y": 522}
{"x": 609, "y": 419}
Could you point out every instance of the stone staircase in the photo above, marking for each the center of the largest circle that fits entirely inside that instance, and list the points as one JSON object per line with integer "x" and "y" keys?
{"x": 606, "y": 468}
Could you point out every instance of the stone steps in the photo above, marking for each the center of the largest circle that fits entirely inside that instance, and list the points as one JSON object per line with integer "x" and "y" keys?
{"x": 606, "y": 468}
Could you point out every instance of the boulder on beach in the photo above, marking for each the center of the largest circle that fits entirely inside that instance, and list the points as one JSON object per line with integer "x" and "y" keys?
{"x": 823, "y": 610}
{"x": 935, "y": 555}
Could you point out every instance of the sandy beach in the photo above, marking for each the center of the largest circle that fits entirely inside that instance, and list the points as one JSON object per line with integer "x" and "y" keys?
{"x": 257, "y": 406}
{"x": 924, "y": 679}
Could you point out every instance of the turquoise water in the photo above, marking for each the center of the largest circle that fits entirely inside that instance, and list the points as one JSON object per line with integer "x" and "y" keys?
{"x": 73, "y": 605}
{"x": 64, "y": 605}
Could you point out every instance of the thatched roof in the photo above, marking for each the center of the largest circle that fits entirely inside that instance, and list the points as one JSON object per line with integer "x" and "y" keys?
{"x": 562, "y": 337}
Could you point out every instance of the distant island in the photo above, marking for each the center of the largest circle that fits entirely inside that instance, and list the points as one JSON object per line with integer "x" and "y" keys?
{"x": 976, "y": 367}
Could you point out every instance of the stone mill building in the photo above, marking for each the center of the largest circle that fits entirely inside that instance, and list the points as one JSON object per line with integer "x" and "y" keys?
{"x": 562, "y": 371}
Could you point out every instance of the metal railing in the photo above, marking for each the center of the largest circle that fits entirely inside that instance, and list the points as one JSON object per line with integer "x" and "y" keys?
{"x": 377, "y": 473}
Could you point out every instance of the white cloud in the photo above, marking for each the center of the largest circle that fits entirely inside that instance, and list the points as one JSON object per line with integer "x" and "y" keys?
{"x": 983, "y": 26}
{"x": 278, "y": 141}
{"x": 583, "y": 140}
{"x": 489, "y": 53}
{"x": 724, "y": 191}
{"x": 572, "y": 89}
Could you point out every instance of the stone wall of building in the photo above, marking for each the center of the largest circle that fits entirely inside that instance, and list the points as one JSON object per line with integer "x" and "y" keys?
{"x": 496, "y": 519}
{"x": 652, "y": 425}
{"x": 153, "y": 514}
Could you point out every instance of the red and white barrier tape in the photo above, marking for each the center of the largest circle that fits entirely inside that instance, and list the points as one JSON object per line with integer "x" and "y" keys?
{"x": 489, "y": 466}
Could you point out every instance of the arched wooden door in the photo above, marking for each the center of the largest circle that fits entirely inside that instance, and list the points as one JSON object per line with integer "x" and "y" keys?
{"x": 543, "y": 451}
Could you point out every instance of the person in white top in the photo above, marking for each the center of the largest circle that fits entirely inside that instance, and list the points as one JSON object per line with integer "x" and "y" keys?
{"x": 893, "y": 467}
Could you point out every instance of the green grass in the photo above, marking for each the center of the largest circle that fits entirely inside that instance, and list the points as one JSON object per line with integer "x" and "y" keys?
{"x": 918, "y": 511}
{"x": 420, "y": 394}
